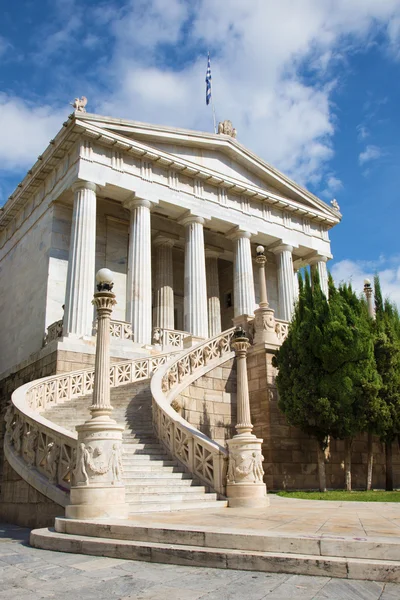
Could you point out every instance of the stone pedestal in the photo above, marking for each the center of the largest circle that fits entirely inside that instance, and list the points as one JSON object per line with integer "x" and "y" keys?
{"x": 98, "y": 489}
{"x": 264, "y": 316}
{"x": 245, "y": 486}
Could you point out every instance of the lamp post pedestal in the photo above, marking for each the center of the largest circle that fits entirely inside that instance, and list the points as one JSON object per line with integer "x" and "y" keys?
{"x": 264, "y": 316}
{"x": 98, "y": 490}
{"x": 245, "y": 486}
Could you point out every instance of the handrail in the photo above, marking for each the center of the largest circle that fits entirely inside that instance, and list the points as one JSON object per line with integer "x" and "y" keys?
{"x": 200, "y": 455}
{"x": 44, "y": 453}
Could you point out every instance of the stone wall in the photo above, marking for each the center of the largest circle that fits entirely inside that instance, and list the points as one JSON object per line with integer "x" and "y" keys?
{"x": 23, "y": 505}
{"x": 290, "y": 457}
{"x": 210, "y": 403}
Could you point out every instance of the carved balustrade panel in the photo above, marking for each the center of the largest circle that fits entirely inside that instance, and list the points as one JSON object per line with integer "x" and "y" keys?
{"x": 203, "y": 457}
{"x": 51, "y": 450}
{"x": 282, "y": 329}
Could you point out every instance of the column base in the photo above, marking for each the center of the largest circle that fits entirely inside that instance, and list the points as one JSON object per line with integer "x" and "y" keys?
{"x": 247, "y": 495}
{"x": 97, "y": 502}
{"x": 264, "y": 327}
{"x": 245, "y": 486}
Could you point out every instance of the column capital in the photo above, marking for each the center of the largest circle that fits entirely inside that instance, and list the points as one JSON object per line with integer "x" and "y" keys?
{"x": 134, "y": 201}
{"x": 237, "y": 233}
{"x": 281, "y": 248}
{"x": 164, "y": 239}
{"x": 84, "y": 185}
{"x": 213, "y": 251}
{"x": 317, "y": 259}
{"x": 188, "y": 218}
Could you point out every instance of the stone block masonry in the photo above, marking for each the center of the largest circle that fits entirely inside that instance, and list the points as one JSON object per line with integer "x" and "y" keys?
{"x": 210, "y": 403}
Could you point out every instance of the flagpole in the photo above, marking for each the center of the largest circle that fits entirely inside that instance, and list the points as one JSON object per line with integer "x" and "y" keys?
{"x": 213, "y": 112}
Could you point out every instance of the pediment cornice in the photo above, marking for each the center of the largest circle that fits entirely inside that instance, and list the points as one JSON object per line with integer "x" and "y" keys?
{"x": 107, "y": 132}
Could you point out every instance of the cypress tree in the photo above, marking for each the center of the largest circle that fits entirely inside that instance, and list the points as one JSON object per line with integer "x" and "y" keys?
{"x": 387, "y": 356}
{"x": 327, "y": 380}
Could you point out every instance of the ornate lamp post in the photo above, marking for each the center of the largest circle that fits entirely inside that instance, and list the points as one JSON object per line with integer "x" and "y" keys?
{"x": 369, "y": 295}
{"x": 264, "y": 316}
{"x": 245, "y": 486}
{"x": 97, "y": 489}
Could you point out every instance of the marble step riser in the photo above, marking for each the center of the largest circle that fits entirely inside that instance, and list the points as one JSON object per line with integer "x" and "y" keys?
{"x": 287, "y": 543}
{"x": 161, "y": 490}
{"x": 141, "y": 470}
{"x": 312, "y": 565}
{"x": 169, "y": 497}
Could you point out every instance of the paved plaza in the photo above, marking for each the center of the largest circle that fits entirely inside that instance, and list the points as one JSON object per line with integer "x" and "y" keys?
{"x": 34, "y": 574}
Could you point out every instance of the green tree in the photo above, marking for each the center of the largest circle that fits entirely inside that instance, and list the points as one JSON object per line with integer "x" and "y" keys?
{"x": 299, "y": 374}
{"x": 327, "y": 378}
{"x": 387, "y": 356}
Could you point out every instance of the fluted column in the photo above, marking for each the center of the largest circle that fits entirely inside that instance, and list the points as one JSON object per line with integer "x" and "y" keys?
{"x": 195, "y": 300}
{"x": 296, "y": 284}
{"x": 163, "y": 283}
{"x": 78, "y": 315}
{"x": 243, "y": 282}
{"x": 318, "y": 263}
{"x": 214, "y": 306}
{"x": 138, "y": 301}
{"x": 285, "y": 280}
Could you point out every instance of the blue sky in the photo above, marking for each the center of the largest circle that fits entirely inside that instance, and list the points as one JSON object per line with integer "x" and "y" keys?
{"x": 312, "y": 86}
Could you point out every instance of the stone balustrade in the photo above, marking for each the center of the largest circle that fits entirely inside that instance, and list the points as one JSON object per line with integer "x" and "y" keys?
{"x": 169, "y": 338}
{"x": 121, "y": 330}
{"x": 282, "y": 329}
{"x": 40, "y": 451}
{"x": 202, "y": 457}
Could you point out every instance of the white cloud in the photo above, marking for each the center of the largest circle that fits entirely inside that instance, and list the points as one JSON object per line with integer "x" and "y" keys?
{"x": 355, "y": 272}
{"x": 370, "y": 153}
{"x": 5, "y": 46}
{"x": 26, "y": 130}
{"x": 362, "y": 132}
{"x": 258, "y": 50}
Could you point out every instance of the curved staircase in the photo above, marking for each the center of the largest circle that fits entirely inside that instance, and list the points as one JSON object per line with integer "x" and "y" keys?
{"x": 153, "y": 482}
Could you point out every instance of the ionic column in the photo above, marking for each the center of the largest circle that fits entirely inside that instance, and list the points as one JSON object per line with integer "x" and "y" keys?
{"x": 318, "y": 263}
{"x": 78, "y": 315}
{"x": 214, "y": 307}
{"x": 195, "y": 300}
{"x": 285, "y": 280}
{"x": 138, "y": 300}
{"x": 164, "y": 284}
{"x": 243, "y": 282}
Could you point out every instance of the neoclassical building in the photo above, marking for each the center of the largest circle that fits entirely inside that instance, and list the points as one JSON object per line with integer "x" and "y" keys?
{"x": 177, "y": 216}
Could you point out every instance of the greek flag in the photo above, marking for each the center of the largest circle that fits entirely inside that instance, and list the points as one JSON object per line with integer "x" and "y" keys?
{"x": 208, "y": 81}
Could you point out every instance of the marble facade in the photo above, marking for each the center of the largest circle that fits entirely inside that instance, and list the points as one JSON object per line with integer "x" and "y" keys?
{"x": 175, "y": 214}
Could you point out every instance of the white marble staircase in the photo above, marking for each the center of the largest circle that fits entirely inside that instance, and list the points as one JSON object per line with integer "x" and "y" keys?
{"x": 153, "y": 481}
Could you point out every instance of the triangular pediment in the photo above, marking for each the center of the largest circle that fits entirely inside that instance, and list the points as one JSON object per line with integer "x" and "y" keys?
{"x": 218, "y": 154}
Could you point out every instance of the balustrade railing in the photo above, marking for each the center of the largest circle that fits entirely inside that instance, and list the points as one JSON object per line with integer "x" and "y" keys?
{"x": 282, "y": 329}
{"x": 118, "y": 329}
{"x": 44, "y": 453}
{"x": 200, "y": 455}
{"x": 169, "y": 338}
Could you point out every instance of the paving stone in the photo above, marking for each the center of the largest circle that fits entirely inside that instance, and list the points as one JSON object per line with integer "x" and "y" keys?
{"x": 342, "y": 589}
